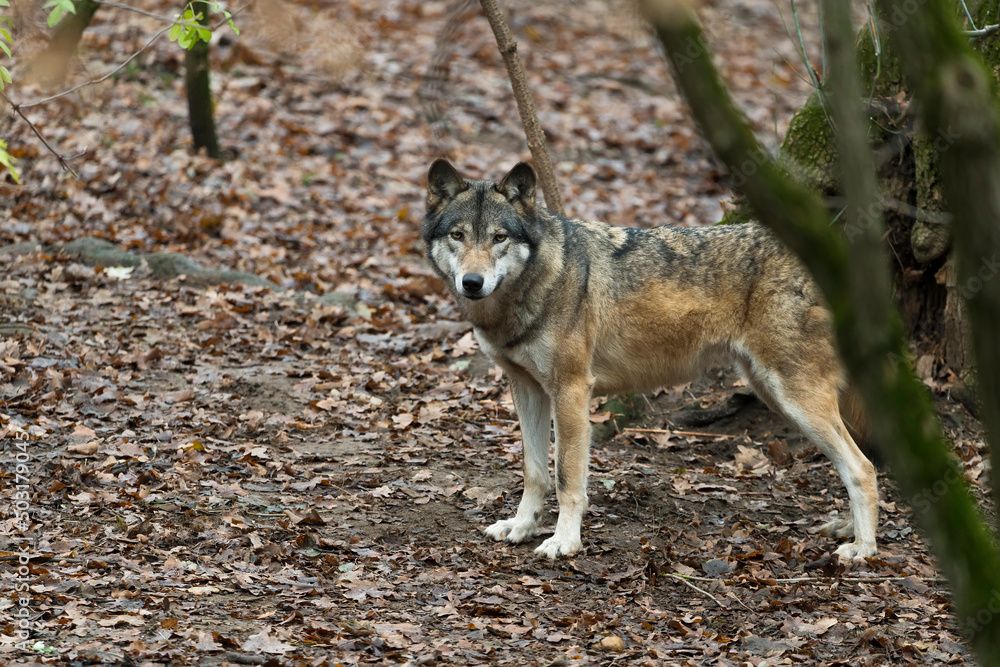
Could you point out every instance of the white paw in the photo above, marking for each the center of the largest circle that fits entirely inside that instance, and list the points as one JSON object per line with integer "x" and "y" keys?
{"x": 512, "y": 531}
{"x": 855, "y": 551}
{"x": 557, "y": 546}
{"x": 838, "y": 528}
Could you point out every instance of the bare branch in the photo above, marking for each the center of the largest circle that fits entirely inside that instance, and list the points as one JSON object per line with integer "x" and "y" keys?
{"x": 100, "y": 79}
{"x": 982, "y": 32}
{"x": 17, "y": 109}
{"x": 525, "y": 105}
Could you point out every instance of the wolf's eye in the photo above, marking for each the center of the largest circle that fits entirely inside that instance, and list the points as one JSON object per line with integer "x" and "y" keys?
{"x": 457, "y": 236}
{"x": 499, "y": 238}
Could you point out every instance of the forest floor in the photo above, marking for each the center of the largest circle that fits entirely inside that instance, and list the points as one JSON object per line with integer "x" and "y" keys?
{"x": 300, "y": 474}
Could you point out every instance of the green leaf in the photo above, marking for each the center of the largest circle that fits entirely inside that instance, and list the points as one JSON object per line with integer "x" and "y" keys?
{"x": 54, "y": 17}
{"x": 5, "y": 48}
{"x": 175, "y": 32}
{"x": 7, "y": 161}
{"x": 5, "y": 75}
{"x": 59, "y": 9}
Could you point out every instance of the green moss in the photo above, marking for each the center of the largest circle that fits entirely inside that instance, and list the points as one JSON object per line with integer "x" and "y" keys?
{"x": 624, "y": 410}
{"x": 809, "y": 152}
{"x": 738, "y": 216}
{"x": 878, "y": 67}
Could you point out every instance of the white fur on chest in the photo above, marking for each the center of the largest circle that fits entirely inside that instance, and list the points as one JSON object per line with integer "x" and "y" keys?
{"x": 535, "y": 359}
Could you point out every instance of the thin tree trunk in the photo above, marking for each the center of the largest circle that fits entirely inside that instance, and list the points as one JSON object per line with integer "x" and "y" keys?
{"x": 525, "y": 106}
{"x": 869, "y": 331}
{"x": 52, "y": 64}
{"x": 201, "y": 114}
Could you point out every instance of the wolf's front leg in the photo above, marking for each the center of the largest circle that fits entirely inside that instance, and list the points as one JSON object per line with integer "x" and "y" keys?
{"x": 535, "y": 415}
{"x": 572, "y": 416}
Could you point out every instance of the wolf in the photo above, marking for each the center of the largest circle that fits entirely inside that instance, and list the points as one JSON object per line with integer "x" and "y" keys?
{"x": 570, "y": 309}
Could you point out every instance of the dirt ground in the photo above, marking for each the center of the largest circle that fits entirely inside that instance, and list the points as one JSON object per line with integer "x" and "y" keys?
{"x": 299, "y": 475}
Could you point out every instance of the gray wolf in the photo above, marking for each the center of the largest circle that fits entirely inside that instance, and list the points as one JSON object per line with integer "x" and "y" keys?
{"x": 569, "y": 309}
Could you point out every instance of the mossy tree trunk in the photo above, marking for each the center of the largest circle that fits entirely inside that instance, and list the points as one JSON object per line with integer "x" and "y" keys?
{"x": 201, "y": 113}
{"x": 52, "y": 65}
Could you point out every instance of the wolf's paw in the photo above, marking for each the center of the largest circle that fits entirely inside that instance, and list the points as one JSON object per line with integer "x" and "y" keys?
{"x": 556, "y": 546}
{"x": 838, "y": 528}
{"x": 512, "y": 531}
{"x": 855, "y": 551}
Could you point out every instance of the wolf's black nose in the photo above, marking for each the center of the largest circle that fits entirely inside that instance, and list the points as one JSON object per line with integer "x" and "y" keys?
{"x": 472, "y": 282}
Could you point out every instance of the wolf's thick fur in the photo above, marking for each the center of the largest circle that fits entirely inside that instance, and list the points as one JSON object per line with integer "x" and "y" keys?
{"x": 569, "y": 309}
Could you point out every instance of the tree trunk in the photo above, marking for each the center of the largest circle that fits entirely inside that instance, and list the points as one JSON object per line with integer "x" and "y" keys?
{"x": 199, "y": 91}
{"x": 52, "y": 65}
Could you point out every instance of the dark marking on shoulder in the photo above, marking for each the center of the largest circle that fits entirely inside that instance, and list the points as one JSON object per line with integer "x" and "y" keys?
{"x": 633, "y": 240}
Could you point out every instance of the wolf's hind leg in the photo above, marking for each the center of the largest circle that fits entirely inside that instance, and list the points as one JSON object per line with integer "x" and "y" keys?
{"x": 838, "y": 528}
{"x": 810, "y": 400}
{"x": 535, "y": 415}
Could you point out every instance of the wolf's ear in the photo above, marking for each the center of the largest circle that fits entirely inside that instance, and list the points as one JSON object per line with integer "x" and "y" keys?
{"x": 518, "y": 186}
{"x": 443, "y": 183}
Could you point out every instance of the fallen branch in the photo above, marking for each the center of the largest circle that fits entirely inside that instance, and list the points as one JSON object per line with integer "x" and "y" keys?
{"x": 812, "y": 580}
{"x": 667, "y": 431}
{"x": 525, "y": 106}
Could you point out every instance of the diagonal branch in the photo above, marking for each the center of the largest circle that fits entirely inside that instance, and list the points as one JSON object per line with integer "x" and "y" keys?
{"x": 17, "y": 109}
{"x": 525, "y": 105}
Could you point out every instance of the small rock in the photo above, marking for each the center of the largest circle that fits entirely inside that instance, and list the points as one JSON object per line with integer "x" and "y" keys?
{"x": 613, "y": 643}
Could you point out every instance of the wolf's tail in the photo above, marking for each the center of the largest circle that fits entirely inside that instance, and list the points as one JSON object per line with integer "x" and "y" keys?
{"x": 855, "y": 416}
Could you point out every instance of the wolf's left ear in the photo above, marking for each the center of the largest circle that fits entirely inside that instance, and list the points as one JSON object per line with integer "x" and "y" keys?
{"x": 518, "y": 186}
{"x": 443, "y": 183}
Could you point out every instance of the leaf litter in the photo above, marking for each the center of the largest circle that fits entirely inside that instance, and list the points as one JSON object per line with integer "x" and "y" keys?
{"x": 233, "y": 474}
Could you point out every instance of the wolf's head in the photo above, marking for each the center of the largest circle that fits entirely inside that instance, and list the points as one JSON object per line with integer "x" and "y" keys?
{"x": 480, "y": 235}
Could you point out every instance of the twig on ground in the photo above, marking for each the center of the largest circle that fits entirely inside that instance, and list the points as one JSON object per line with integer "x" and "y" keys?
{"x": 700, "y": 590}
{"x": 814, "y": 580}
{"x": 668, "y": 431}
